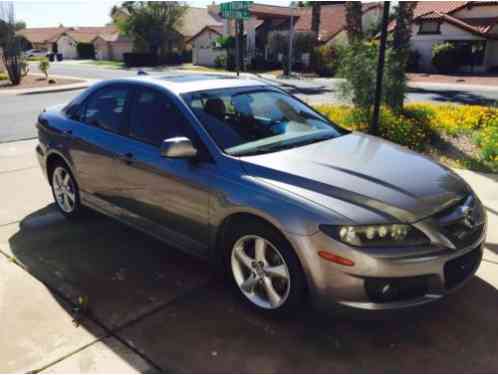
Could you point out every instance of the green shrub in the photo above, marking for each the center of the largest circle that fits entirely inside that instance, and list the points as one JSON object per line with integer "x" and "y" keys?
{"x": 3, "y": 77}
{"x": 358, "y": 65}
{"x": 445, "y": 58}
{"x": 44, "y": 65}
{"x": 327, "y": 60}
{"x": 220, "y": 61}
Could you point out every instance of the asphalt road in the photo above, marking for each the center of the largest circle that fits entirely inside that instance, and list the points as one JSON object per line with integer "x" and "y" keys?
{"x": 18, "y": 113}
{"x": 321, "y": 90}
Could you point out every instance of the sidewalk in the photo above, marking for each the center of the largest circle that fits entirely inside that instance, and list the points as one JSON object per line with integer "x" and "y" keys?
{"x": 153, "y": 309}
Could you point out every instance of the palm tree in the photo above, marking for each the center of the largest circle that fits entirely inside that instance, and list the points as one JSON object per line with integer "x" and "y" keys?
{"x": 400, "y": 52}
{"x": 354, "y": 15}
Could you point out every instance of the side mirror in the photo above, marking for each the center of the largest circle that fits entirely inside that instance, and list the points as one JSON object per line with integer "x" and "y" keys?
{"x": 178, "y": 148}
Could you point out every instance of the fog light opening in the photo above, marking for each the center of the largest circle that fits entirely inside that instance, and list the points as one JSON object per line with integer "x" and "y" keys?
{"x": 336, "y": 259}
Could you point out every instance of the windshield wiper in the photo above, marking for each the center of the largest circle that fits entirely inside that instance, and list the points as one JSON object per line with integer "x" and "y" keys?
{"x": 283, "y": 146}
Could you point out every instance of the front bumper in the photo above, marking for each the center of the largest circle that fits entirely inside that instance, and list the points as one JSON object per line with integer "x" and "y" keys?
{"x": 441, "y": 271}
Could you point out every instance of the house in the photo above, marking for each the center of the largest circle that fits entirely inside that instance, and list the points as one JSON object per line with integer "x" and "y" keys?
{"x": 106, "y": 40}
{"x": 111, "y": 46}
{"x": 194, "y": 20}
{"x": 471, "y": 25}
{"x": 267, "y": 18}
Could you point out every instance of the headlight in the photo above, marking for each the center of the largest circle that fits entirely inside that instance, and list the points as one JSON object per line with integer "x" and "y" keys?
{"x": 393, "y": 235}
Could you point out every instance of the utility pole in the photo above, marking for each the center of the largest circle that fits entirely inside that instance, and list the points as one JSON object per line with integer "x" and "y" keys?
{"x": 374, "y": 126}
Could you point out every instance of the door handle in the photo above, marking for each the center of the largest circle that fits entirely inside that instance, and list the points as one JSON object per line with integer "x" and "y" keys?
{"x": 68, "y": 132}
{"x": 126, "y": 158}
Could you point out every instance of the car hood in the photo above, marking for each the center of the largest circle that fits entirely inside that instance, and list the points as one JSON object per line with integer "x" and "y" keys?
{"x": 362, "y": 178}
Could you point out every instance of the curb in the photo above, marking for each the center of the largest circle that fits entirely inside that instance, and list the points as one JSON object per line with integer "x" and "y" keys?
{"x": 54, "y": 90}
{"x": 83, "y": 84}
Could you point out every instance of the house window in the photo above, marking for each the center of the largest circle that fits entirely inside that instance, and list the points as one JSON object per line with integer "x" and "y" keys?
{"x": 470, "y": 52}
{"x": 430, "y": 27}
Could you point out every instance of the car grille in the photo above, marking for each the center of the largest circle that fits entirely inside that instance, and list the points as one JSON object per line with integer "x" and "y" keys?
{"x": 462, "y": 224}
{"x": 458, "y": 270}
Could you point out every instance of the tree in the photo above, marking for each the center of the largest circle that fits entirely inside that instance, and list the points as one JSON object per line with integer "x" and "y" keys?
{"x": 316, "y": 10}
{"x": 152, "y": 24}
{"x": 10, "y": 43}
{"x": 19, "y": 25}
{"x": 399, "y": 54}
{"x": 354, "y": 28}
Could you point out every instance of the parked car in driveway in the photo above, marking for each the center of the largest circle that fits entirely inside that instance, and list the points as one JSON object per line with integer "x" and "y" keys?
{"x": 291, "y": 205}
{"x": 36, "y": 53}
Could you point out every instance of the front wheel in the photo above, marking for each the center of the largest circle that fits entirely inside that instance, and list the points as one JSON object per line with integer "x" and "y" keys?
{"x": 265, "y": 269}
{"x": 65, "y": 191}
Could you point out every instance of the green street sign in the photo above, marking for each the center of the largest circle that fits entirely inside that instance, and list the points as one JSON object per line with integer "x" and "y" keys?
{"x": 236, "y": 10}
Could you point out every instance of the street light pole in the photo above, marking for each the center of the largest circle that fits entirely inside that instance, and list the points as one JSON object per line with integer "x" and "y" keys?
{"x": 374, "y": 126}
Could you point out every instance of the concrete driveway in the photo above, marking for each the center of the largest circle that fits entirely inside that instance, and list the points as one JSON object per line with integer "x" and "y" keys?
{"x": 151, "y": 308}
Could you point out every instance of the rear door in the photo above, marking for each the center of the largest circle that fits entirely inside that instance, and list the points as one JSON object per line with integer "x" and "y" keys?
{"x": 95, "y": 139}
{"x": 166, "y": 196}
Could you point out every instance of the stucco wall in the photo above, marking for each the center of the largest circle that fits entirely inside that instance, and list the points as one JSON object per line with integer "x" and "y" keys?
{"x": 203, "y": 52}
{"x": 101, "y": 50}
{"x": 67, "y": 46}
{"x": 120, "y": 48}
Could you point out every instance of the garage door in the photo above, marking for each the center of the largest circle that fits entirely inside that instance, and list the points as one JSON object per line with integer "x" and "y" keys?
{"x": 207, "y": 56}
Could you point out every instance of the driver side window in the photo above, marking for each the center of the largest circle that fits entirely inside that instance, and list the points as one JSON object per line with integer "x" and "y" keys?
{"x": 105, "y": 109}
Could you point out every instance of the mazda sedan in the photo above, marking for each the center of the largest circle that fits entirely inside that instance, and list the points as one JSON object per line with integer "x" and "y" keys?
{"x": 289, "y": 205}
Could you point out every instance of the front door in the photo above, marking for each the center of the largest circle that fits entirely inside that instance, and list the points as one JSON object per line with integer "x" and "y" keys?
{"x": 168, "y": 197}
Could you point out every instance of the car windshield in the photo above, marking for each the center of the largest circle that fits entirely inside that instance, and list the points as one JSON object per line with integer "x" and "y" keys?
{"x": 250, "y": 122}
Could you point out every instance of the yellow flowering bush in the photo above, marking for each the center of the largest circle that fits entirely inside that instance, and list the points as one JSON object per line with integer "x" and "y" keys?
{"x": 456, "y": 119}
{"x": 410, "y": 129}
{"x": 419, "y": 121}
{"x": 487, "y": 139}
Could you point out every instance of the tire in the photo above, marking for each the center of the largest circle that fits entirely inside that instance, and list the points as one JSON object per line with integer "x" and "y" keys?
{"x": 65, "y": 191}
{"x": 264, "y": 270}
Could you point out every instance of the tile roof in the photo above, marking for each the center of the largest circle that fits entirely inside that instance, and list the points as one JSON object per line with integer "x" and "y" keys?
{"x": 51, "y": 34}
{"x": 332, "y": 19}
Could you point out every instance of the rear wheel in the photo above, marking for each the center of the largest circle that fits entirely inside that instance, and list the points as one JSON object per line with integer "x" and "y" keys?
{"x": 265, "y": 269}
{"x": 65, "y": 191}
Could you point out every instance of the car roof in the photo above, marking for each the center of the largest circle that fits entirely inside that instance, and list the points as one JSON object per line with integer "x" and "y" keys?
{"x": 185, "y": 83}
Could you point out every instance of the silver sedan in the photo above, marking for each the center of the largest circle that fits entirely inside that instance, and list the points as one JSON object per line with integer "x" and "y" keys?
{"x": 289, "y": 205}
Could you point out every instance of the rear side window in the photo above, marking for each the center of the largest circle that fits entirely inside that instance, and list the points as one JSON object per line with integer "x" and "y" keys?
{"x": 155, "y": 118}
{"x": 105, "y": 108}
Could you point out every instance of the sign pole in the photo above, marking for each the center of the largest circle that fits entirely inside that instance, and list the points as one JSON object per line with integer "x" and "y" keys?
{"x": 374, "y": 126}
{"x": 237, "y": 47}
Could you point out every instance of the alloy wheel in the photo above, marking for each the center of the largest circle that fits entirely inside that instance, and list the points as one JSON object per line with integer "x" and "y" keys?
{"x": 64, "y": 189}
{"x": 260, "y": 272}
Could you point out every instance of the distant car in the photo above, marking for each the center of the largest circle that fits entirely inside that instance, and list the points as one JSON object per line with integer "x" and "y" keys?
{"x": 36, "y": 53}
{"x": 250, "y": 177}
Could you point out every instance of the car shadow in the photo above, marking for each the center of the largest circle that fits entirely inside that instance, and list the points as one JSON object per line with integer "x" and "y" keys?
{"x": 131, "y": 280}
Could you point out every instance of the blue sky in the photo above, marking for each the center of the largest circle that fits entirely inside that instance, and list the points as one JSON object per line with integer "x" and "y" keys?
{"x": 78, "y": 13}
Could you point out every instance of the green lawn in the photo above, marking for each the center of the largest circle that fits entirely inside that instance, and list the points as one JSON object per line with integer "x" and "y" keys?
{"x": 107, "y": 64}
